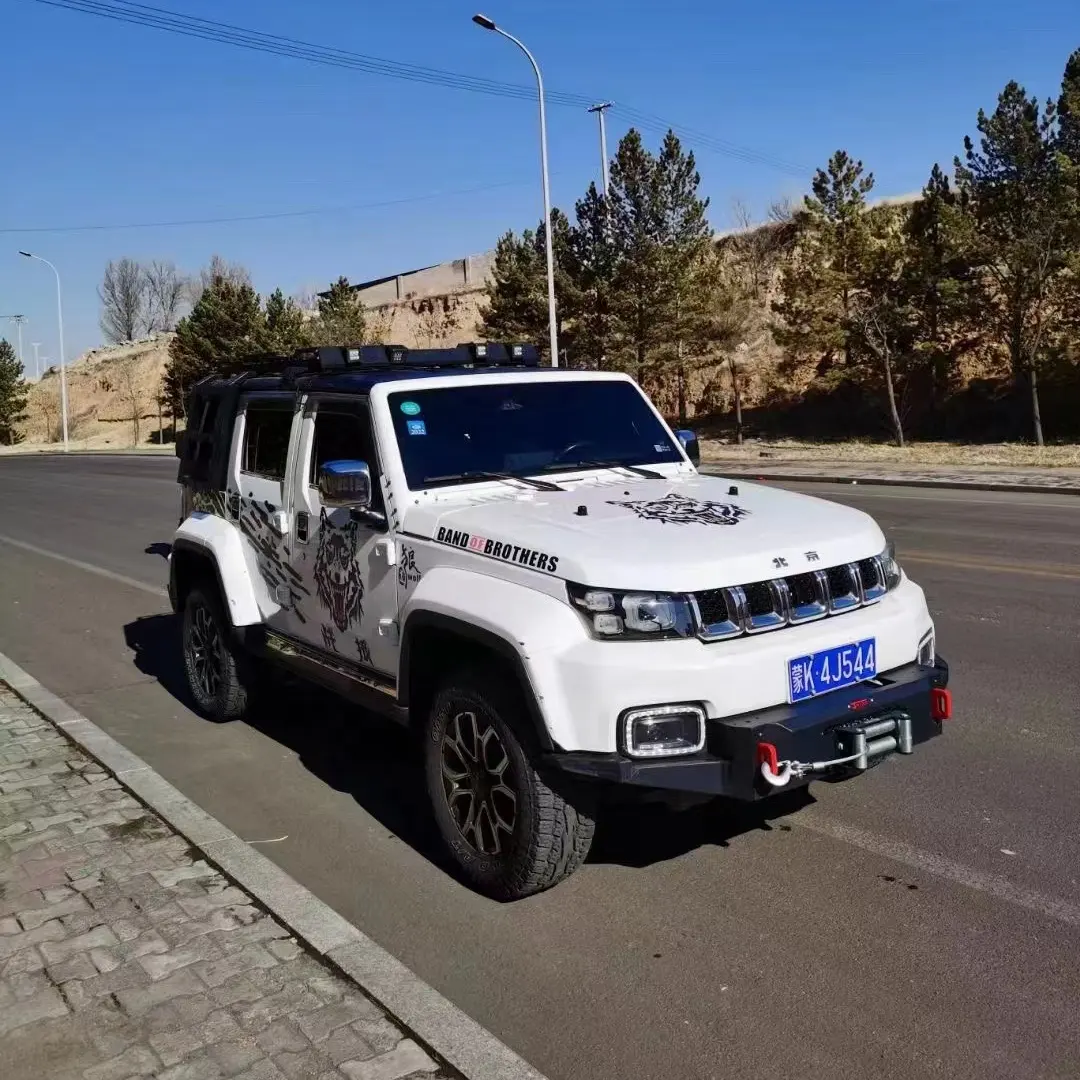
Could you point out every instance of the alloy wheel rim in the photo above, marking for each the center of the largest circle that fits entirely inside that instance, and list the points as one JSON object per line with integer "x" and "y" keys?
{"x": 476, "y": 773}
{"x": 205, "y": 648}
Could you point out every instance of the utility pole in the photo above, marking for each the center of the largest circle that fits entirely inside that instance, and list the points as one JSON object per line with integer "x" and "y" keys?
{"x": 600, "y": 110}
{"x": 18, "y": 320}
{"x": 35, "y": 345}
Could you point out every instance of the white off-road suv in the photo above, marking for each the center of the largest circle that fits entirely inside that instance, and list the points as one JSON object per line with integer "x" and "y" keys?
{"x": 525, "y": 566}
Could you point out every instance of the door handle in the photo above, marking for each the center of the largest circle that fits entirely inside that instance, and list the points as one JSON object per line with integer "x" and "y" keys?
{"x": 302, "y": 526}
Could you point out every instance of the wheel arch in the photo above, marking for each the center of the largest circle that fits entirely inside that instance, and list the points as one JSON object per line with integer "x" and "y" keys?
{"x": 434, "y": 643}
{"x": 208, "y": 548}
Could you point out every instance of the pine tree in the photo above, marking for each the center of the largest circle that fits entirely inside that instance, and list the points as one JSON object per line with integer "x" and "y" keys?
{"x": 341, "y": 319}
{"x": 285, "y": 326}
{"x": 225, "y": 326}
{"x": 13, "y": 396}
{"x": 941, "y": 285}
{"x": 818, "y": 281}
{"x": 517, "y": 293}
{"x": 1068, "y": 109}
{"x": 638, "y": 286}
{"x": 690, "y": 304}
{"x": 1024, "y": 215}
{"x": 879, "y": 318}
{"x": 592, "y": 262}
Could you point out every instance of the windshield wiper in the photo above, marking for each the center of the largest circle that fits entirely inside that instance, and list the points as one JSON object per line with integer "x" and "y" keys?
{"x": 649, "y": 474}
{"x": 475, "y": 474}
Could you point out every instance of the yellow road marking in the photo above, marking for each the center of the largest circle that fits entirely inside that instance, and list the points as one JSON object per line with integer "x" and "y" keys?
{"x": 1047, "y": 570}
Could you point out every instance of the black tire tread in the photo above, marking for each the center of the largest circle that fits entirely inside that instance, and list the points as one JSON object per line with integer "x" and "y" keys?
{"x": 562, "y": 833}
{"x": 233, "y": 703}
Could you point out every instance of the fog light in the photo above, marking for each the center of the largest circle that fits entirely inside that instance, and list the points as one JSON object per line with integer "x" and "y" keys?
{"x": 927, "y": 650}
{"x": 663, "y": 730}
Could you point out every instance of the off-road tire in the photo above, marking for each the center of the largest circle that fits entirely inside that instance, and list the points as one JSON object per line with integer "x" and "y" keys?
{"x": 228, "y": 697}
{"x": 551, "y": 835}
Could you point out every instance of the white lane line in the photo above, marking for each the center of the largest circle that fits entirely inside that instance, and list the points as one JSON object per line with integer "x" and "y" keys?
{"x": 1000, "y": 888}
{"x": 123, "y": 579}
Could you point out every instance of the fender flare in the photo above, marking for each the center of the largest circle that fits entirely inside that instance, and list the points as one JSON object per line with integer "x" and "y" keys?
{"x": 220, "y": 544}
{"x": 448, "y": 599}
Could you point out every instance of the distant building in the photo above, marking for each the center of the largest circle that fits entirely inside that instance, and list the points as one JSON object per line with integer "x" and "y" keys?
{"x": 469, "y": 274}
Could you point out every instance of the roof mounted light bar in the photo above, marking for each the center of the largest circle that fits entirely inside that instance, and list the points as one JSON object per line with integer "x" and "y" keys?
{"x": 332, "y": 358}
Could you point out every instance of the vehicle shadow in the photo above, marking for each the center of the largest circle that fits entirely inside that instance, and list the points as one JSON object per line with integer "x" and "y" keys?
{"x": 368, "y": 758}
{"x": 641, "y": 834}
{"x": 377, "y": 764}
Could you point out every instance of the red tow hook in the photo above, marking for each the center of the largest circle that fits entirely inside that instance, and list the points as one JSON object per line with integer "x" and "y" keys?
{"x": 768, "y": 762}
{"x": 940, "y": 704}
{"x": 766, "y": 754}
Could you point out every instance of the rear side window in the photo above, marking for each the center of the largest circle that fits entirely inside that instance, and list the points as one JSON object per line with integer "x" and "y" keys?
{"x": 266, "y": 440}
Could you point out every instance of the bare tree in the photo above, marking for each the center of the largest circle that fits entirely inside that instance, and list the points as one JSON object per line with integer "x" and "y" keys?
{"x": 123, "y": 300}
{"x": 217, "y": 267}
{"x": 165, "y": 292}
{"x": 131, "y": 393}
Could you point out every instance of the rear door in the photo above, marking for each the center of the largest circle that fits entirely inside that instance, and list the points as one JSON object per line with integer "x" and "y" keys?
{"x": 256, "y": 496}
{"x": 342, "y": 562}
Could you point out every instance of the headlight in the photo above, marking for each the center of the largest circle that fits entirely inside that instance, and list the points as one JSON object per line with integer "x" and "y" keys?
{"x": 890, "y": 568}
{"x": 633, "y": 615}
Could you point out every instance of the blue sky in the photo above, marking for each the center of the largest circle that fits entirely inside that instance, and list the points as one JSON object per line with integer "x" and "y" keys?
{"x": 113, "y": 124}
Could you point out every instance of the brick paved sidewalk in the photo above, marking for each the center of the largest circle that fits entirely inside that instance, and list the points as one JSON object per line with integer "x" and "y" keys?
{"x": 122, "y": 954}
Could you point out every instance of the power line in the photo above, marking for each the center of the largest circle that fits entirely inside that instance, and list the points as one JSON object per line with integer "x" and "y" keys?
{"x": 326, "y": 210}
{"x": 127, "y": 11}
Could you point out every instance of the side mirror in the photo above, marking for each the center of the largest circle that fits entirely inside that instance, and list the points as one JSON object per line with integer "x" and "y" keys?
{"x": 345, "y": 485}
{"x": 690, "y": 445}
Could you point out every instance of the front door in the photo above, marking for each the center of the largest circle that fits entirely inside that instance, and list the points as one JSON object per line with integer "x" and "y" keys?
{"x": 342, "y": 561}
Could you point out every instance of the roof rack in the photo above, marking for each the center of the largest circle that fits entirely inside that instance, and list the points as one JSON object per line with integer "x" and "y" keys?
{"x": 336, "y": 358}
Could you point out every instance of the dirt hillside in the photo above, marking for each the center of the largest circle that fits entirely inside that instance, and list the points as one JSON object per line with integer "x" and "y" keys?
{"x": 112, "y": 398}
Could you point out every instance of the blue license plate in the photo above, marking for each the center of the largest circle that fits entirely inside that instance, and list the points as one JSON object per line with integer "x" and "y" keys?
{"x": 831, "y": 669}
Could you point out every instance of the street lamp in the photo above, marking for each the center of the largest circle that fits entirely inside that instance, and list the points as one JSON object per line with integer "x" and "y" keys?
{"x": 60, "y": 321}
{"x": 489, "y": 24}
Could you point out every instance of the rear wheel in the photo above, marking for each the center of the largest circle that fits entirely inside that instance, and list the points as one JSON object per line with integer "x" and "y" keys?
{"x": 509, "y": 833}
{"x": 217, "y": 668}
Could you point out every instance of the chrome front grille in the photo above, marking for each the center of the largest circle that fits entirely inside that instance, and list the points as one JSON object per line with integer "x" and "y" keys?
{"x": 768, "y": 605}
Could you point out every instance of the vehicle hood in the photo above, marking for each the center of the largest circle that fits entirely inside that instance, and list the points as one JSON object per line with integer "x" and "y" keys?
{"x": 678, "y": 534}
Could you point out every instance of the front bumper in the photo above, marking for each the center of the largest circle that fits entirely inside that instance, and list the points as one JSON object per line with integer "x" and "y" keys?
{"x": 815, "y": 730}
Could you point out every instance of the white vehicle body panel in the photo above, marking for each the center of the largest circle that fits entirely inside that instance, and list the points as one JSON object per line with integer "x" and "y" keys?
{"x": 247, "y": 598}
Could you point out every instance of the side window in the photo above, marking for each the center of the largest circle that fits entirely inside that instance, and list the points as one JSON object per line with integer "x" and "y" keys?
{"x": 266, "y": 440}
{"x": 344, "y": 435}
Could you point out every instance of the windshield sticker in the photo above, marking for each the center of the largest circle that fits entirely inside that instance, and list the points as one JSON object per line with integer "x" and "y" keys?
{"x": 416, "y": 427}
{"x": 497, "y": 549}
{"x": 410, "y": 408}
{"x": 661, "y": 448}
{"x": 680, "y": 510}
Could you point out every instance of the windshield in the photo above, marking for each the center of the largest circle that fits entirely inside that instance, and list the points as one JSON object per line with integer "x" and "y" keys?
{"x": 529, "y": 427}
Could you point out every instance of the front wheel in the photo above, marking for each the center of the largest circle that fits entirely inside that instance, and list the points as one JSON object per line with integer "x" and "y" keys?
{"x": 216, "y": 667}
{"x": 510, "y": 834}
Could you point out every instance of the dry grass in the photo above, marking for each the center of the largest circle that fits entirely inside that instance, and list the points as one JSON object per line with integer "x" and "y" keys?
{"x": 989, "y": 455}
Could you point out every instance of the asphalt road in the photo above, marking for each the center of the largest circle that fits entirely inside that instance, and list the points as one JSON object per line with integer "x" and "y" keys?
{"x": 921, "y": 921}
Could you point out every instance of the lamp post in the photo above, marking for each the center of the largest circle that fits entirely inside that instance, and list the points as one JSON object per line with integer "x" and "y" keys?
{"x": 60, "y": 321}
{"x": 553, "y": 333}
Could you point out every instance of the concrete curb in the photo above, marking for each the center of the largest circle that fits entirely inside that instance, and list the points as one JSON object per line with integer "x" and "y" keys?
{"x": 425, "y": 1014}
{"x": 878, "y": 481}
